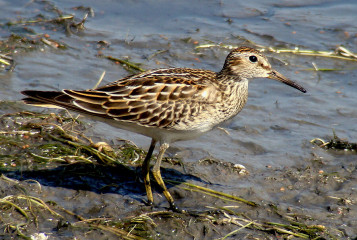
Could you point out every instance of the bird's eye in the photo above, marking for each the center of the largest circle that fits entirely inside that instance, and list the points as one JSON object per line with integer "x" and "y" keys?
{"x": 253, "y": 58}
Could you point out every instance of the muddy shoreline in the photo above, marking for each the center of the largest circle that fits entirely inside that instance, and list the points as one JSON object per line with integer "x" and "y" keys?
{"x": 57, "y": 186}
{"x": 284, "y": 168}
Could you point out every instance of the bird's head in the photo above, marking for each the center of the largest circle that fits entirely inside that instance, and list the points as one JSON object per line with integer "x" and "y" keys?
{"x": 247, "y": 63}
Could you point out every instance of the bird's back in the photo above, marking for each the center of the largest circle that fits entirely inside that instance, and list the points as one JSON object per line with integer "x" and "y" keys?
{"x": 177, "y": 99}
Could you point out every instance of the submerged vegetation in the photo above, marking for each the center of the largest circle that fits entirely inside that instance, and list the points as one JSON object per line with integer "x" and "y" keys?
{"x": 340, "y": 52}
{"x": 24, "y": 36}
{"x": 335, "y": 143}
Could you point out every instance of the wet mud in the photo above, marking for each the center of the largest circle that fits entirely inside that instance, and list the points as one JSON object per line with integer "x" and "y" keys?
{"x": 55, "y": 182}
{"x": 284, "y": 168}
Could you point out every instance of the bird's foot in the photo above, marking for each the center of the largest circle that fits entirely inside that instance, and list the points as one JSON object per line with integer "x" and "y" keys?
{"x": 149, "y": 203}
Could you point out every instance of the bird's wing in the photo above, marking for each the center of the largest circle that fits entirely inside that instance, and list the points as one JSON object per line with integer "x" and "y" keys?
{"x": 157, "y": 98}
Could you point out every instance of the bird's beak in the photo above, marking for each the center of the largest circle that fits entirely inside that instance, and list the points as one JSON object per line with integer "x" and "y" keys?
{"x": 280, "y": 77}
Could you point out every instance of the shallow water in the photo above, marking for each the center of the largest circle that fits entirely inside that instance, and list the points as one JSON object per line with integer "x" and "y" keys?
{"x": 277, "y": 123}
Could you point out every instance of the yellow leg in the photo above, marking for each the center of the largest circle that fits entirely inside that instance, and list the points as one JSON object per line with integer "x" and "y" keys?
{"x": 146, "y": 172}
{"x": 157, "y": 175}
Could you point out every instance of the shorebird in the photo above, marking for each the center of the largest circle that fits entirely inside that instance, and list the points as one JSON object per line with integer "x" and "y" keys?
{"x": 168, "y": 105}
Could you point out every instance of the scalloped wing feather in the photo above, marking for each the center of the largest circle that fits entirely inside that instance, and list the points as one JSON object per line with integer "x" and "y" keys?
{"x": 157, "y": 98}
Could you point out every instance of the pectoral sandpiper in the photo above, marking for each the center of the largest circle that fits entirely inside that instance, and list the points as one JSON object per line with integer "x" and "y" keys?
{"x": 169, "y": 105}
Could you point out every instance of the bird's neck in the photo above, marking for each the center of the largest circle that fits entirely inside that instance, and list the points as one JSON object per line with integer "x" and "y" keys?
{"x": 228, "y": 82}
{"x": 226, "y": 75}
